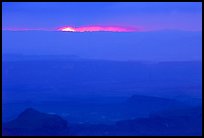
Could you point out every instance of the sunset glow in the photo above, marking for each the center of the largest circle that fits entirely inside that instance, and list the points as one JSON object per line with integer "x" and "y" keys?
{"x": 67, "y": 29}
{"x": 81, "y": 29}
{"x": 97, "y": 28}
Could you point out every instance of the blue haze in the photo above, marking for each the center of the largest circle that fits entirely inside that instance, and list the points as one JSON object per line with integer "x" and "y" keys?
{"x": 102, "y": 83}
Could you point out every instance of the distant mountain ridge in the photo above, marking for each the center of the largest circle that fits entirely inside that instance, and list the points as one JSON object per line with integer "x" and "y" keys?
{"x": 101, "y": 77}
{"x": 22, "y": 57}
{"x": 33, "y": 122}
{"x": 154, "y": 46}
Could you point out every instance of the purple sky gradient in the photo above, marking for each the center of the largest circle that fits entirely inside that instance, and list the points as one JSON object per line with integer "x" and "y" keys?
{"x": 164, "y": 31}
{"x": 151, "y": 16}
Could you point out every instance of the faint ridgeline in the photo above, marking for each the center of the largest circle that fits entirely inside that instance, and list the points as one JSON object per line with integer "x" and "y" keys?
{"x": 20, "y": 57}
{"x": 33, "y": 122}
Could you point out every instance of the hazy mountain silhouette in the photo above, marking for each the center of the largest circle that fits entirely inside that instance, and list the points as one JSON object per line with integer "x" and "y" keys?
{"x": 152, "y": 103}
{"x": 154, "y": 46}
{"x": 57, "y": 80}
{"x": 69, "y": 77}
{"x": 186, "y": 122}
{"x": 33, "y": 122}
{"x": 180, "y": 124}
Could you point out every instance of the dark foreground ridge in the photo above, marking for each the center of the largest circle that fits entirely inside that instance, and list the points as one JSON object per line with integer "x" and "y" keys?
{"x": 32, "y": 122}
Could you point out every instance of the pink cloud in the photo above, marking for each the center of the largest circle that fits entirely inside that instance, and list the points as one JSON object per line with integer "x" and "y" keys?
{"x": 80, "y": 29}
{"x": 98, "y": 28}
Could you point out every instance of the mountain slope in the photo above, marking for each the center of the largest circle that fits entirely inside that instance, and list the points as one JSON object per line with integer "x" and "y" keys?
{"x": 33, "y": 122}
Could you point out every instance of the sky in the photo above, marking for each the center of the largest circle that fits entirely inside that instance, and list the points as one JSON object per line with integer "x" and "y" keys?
{"x": 141, "y": 16}
{"x": 150, "y": 32}
{"x": 144, "y": 31}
